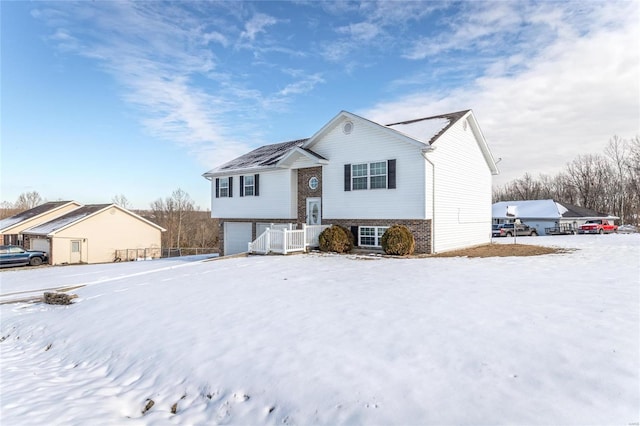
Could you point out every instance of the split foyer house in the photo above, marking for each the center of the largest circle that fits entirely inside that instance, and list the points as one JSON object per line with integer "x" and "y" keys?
{"x": 432, "y": 175}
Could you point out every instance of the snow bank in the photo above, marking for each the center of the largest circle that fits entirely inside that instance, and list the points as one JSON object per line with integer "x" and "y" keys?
{"x": 317, "y": 339}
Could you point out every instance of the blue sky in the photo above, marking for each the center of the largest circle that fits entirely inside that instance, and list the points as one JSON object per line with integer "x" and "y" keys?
{"x": 140, "y": 98}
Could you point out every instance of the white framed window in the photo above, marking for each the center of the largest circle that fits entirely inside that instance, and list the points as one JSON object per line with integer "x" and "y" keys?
{"x": 224, "y": 187}
{"x": 249, "y": 185}
{"x": 359, "y": 176}
{"x": 369, "y": 175}
{"x": 378, "y": 175}
{"x": 371, "y": 236}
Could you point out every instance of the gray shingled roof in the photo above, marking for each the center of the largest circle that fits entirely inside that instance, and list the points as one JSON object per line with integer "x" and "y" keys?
{"x": 577, "y": 211}
{"x": 31, "y": 213}
{"x": 267, "y": 155}
{"x": 425, "y": 130}
{"x": 67, "y": 219}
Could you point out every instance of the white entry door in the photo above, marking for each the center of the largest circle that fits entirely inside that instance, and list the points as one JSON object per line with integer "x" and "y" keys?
{"x": 314, "y": 211}
{"x": 76, "y": 251}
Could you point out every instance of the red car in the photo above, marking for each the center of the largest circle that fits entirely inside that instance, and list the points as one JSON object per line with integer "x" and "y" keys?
{"x": 597, "y": 226}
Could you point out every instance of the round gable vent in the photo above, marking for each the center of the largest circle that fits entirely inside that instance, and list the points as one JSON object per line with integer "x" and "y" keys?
{"x": 347, "y": 127}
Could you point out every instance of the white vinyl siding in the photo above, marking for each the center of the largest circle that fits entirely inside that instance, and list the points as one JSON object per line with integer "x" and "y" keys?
{"x": 405, "y": 201}
{"x": 462, "y": 190}
{"x": 277, "y": 199}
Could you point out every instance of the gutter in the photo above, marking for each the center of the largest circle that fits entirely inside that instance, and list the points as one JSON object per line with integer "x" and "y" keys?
{"x": 424, "y": 153}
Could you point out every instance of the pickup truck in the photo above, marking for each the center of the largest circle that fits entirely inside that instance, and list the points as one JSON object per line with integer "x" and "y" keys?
{"x": 507, "y": 230}
{"x": 597, "y": 226}
{"x": 17, "y": 256}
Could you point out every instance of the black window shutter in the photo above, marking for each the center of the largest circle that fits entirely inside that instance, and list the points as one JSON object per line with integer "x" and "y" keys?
{"x": 230, "y": 186}
{"x": 242, "y": 186}
{"x": 354, "y": 232}
{"x": 391, "y": 174}
{"x": 217, "y": 187}
{"x": 347, "y": 177}
{"x": 256, "y": 185}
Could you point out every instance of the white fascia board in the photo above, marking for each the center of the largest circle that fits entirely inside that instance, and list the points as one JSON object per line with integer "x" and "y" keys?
{"x": 482, "y": 142}
{"x": 244, "y": 171}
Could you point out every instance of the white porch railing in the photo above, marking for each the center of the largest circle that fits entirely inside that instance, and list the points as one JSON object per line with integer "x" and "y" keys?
{"x": 285, "y": 240}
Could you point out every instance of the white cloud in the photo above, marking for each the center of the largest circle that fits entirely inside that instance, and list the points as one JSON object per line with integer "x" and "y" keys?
{"x": 257, "y": 24}
{"x": 569, "y": 99}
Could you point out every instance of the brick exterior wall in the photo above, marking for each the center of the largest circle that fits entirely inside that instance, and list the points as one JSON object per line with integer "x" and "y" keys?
{"x": 305, "y": 192}
{"x": 420, "y": 228}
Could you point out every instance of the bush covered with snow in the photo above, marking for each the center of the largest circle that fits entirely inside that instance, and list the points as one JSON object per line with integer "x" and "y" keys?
{"x": 398, "y": 240}
{"x": 337, "y": 239}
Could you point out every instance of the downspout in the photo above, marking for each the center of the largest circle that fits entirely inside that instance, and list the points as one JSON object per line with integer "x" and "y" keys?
{"x": 424, "y": 151}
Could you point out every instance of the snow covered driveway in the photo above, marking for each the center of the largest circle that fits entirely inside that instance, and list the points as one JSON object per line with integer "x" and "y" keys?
{"x": 314, "y": 339}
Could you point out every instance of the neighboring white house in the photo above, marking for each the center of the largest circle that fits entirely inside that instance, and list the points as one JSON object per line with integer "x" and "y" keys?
{"x": 547, "y": 216}
{"x": 431, "y": 174}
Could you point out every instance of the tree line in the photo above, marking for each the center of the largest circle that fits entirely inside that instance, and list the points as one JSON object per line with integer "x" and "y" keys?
{"x": 186, "y": 225}
{"x": 607, "y": 182}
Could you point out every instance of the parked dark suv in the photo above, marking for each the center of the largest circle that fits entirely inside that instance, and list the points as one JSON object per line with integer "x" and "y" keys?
{"x": 17, "y": 256}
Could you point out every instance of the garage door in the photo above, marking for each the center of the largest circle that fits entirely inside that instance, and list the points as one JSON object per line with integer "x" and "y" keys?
{"x": 41, "y": 244}
{"x": 237, "y": 236}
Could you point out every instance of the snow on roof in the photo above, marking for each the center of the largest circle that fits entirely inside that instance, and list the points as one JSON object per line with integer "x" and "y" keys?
{"x": 539, "y": 209}
{"x": 67, "y": 219}
{"x": 267, "y": 155}
{"x": 31, "y": 213}
{"x": 545, "y": 209}
{"x": 427, "y": 129}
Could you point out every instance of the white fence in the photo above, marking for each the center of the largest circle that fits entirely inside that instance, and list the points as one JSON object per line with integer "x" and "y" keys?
{"x": 287, "y": 240}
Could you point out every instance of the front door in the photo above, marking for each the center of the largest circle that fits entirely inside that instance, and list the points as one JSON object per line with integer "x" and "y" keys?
{"x": 314, "y": 211}
{"x": 76, "y": 251}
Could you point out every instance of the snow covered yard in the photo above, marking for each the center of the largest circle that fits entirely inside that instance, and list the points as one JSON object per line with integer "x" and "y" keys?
{"x": 320, "y": 339}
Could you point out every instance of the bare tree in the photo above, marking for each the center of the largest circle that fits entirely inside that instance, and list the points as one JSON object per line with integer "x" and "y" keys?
{"x": 607, "y": 183}
{"x": 28, "y": 200}
{"x": 121, "y": 201}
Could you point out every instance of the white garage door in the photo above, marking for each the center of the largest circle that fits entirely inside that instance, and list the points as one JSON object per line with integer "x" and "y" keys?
{"x": 237, "y": 236}
{"x": 41, "y": 244}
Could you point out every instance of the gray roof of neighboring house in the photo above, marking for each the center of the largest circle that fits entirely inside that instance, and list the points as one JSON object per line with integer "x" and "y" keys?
{"x": 577, "y": 211}
{"x": 31, "y": 213}
{"x": 67, "y": 219}
{"x": 424, "y": 130}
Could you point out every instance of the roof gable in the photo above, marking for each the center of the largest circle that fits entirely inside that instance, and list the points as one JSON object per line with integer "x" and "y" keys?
{"x": 421, "y": 132}
{"x": 33, "y": 213}
{"x": 353, "y": 117}
{"x": 72, "y": 218}
{"x": 428, "y": 129}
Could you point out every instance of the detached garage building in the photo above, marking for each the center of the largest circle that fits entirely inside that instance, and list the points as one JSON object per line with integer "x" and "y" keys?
{"x": 11, "y": 227}
{"x": 92, "y": 234}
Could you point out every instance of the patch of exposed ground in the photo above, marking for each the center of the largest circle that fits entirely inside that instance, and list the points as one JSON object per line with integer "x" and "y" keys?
{"x": 502, "y": 250}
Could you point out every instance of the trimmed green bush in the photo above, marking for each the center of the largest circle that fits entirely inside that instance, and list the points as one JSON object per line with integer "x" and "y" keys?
{"x": 398, "y": 240}
{"x": 336, "y": 238}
